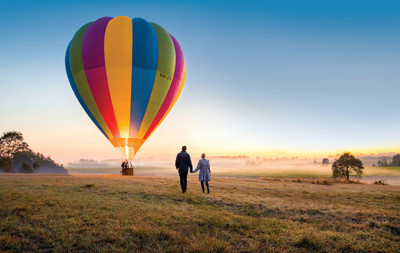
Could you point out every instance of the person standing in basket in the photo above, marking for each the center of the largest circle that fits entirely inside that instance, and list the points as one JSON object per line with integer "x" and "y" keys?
{"x": 205, "y": 172}
{"x": 182, "y": 164}
{"x": 123, "y": 164}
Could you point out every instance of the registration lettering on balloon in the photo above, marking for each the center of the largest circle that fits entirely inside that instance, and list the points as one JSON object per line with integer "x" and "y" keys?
{"x": 162, "y": 75}
{"x": 127, "y": 74}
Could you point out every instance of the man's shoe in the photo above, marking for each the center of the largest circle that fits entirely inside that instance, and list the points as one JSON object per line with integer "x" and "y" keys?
{"x": 208, "y": 190}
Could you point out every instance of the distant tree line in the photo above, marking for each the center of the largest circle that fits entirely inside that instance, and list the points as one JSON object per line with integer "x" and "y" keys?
{"x": 395, "y": 162}
{"x": 16, "y": 156}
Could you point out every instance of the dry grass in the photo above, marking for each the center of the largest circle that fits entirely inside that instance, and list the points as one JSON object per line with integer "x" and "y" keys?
{"x": 323, "y": 181}
{"x": 113, "y": 213}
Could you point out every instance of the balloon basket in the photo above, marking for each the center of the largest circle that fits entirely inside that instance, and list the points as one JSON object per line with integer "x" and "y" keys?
{"x": 127, "y": 172}
{"x": 128, "y": 169}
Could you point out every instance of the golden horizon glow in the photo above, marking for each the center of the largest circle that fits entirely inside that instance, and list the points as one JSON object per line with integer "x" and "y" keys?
{"x": 66, "y": 150}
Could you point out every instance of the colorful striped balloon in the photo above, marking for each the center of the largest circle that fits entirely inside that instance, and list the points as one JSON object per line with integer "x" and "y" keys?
{"x": 127, "y": 74}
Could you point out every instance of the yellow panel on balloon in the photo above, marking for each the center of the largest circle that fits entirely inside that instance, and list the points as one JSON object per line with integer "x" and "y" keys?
{"x": 118, "y": 61}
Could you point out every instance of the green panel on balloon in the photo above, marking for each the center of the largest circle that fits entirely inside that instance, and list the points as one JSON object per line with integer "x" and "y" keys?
{"x": 78, "y": 73}
{"x": 163, "y": 79}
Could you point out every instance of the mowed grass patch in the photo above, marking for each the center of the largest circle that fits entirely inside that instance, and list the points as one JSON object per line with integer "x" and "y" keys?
{"x": 114, "y": 213}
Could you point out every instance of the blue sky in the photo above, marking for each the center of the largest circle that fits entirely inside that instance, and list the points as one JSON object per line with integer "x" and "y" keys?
{"x": 271, "y": 78}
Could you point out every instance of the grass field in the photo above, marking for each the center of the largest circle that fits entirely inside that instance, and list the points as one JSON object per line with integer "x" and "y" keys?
{"x": 114, "y": 213}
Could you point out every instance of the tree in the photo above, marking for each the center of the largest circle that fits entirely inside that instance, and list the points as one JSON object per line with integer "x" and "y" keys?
{"x": 14, "y": 152}
{"x": 26, "y": 168}
{"x": 25, "y": 156}
{"x": 347, "y": 165}
{"x": 6, "y": 164}
{"x": 11, "y": 143}
{"x": 396, "y": 161}
{"x": 383, "y": 163}
{"x": 325, "y": 161}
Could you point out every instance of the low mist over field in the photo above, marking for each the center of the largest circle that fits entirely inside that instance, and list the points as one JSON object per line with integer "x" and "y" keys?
{"x": 241, "y": 166}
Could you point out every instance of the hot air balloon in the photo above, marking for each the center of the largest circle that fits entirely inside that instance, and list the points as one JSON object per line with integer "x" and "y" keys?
{"x": 127, "y": 74}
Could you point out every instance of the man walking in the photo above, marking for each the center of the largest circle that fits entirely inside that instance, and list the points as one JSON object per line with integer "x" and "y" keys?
{"x": 182, "y": 164}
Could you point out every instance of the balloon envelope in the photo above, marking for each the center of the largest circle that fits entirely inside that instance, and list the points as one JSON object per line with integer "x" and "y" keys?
{"x": 127, "y": 74}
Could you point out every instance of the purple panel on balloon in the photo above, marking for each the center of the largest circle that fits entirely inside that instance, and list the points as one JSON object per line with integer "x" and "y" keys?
{"x": 94, "y": 65}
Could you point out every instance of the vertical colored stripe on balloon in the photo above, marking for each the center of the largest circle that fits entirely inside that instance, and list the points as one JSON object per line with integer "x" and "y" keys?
{"x": 173, "y": 90}
{"x": 118, "y": 63}
{"x": 163, "y": 79}
{"x": 172, "y": 105}
{"x": 94, "y": 65}
{"x": 76, "y": 92}
{"x": 79, "y": 76}
{"x": 144, "y": 66}
{"x": 180, "y": 89}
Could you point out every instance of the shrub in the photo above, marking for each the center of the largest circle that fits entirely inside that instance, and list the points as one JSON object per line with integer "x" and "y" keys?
{"x": 379, "y": 182}
{"x": 6, "y": 164}
{"x": 35, "y": 165}
{"x": 26, "y": 168}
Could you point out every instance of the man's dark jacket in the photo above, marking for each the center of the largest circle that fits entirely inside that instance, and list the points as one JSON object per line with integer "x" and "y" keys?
{"x": 183, "y": 162}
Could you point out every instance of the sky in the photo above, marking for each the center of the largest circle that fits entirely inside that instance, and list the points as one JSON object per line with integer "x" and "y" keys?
{"x": 264, "y": 78}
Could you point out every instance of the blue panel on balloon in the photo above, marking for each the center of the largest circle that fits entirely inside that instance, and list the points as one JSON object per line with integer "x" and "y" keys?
{"x": 144, "y": 66}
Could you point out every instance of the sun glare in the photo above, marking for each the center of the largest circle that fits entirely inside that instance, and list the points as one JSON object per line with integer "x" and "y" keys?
{"x": 127, "y": 152}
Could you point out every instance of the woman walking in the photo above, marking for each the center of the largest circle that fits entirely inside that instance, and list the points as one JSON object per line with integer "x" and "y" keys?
{"x": 204, "y": 174}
